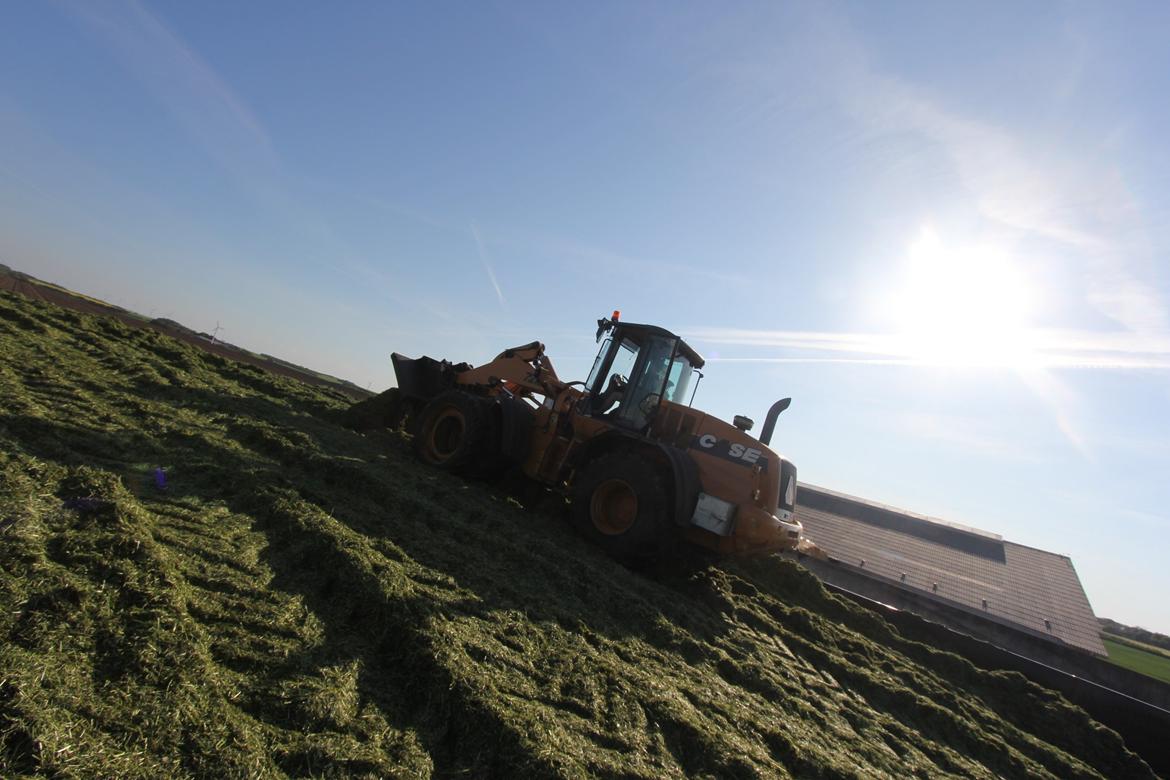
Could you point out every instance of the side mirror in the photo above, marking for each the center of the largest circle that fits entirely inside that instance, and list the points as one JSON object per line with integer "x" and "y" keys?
{"x": 602, "y": 326}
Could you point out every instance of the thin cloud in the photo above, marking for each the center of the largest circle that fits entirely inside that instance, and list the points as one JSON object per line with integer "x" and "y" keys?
{"x": 615, "y": 261}
{"x": 1050, "y": 352}
{"x": 202, "y": 103}
{"x": 1075, "y": 200}
{"x": 1062, "y": 403}
{"x": 487, "y": 266}
{"x": 843, "y": 361}
{"x": 1028, "y": 191}
{"x": 1049, "y": 348}
{"x": 593, "y": 258}
{"x": 1107, "y": 231}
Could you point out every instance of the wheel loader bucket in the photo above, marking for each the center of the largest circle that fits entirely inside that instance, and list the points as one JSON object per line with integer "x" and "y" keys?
{"x": 424, "y": 378}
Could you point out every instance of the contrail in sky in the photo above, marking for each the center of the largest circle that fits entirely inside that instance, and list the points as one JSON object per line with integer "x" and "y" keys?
{"x": 1046, "y": 353}
{"x": 1048, "y": 349}
{"x": 487, "y": 266}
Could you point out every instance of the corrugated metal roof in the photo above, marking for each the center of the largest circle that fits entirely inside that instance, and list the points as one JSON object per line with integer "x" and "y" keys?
{"x": 1031, "y": 590}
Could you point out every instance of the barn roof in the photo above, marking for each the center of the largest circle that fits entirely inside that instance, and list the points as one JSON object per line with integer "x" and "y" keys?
{"x": 1032, "y": 590}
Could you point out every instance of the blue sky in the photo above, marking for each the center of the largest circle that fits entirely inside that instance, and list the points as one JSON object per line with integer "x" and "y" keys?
{"x": 943, "y": 231}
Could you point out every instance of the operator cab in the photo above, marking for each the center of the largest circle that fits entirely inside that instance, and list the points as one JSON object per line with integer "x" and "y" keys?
{"x": 636, "y": 367}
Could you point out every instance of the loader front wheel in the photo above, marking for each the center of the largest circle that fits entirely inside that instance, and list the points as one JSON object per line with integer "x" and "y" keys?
{"x": 620, "y": 504}
{"x": 454, "y": 432}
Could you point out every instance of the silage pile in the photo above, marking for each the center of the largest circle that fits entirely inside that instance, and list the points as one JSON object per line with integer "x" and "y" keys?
{"x": 289, "y": 598}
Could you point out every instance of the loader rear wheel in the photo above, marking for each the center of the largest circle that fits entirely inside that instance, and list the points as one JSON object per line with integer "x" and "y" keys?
{"x": 620, "y": 504}
{"x": 454, "y": 433}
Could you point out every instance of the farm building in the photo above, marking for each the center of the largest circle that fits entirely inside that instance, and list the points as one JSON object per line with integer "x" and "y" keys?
{"x": 1014, "y": 596}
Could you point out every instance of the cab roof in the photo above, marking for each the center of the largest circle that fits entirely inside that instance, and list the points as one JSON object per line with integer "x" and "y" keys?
{"x": 654, "y": 330}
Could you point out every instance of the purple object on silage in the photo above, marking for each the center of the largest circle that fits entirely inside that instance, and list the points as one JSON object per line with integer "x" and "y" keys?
{"x": 160, "y": 479}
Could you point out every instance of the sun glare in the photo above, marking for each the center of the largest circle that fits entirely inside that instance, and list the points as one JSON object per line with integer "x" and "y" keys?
{"x": 963, "y": 306}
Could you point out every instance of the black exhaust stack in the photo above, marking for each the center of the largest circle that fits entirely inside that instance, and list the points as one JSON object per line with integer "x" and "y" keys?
{"x": 770, "y": 420}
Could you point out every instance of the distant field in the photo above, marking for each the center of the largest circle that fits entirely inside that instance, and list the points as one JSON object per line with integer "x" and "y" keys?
{"x": 1138, "y": 645}
{"x": 1157, "y": 666}
{"x": 38, "y": 289}
{"x": 1144, "y": 636}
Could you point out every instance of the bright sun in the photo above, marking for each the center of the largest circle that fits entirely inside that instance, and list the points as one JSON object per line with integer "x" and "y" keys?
{"x": 968, "y": 306}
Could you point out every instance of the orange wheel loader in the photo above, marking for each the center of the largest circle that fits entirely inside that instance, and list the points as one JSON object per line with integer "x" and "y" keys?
{"x": 643, "y": 468}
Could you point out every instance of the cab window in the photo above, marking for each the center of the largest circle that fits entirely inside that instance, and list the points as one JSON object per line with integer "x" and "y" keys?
{"x": 609, "y": 390}
{"x": 644, "y": 393}
{"x": 678, "y": 382}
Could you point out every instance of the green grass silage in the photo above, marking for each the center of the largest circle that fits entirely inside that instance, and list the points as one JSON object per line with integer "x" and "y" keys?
{"x": 302, "y": 600}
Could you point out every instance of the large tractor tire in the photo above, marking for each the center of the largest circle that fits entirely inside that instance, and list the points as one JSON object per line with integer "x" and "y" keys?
{"x": 621, "y": 504}
{"x": 455, "y": 433}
